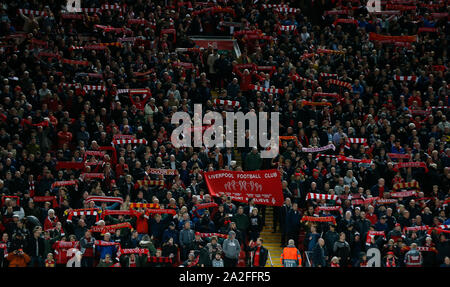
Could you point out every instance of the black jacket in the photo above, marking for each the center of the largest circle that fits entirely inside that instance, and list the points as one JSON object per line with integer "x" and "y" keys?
{"x": 318, "y": 256}
{"x": 31, "y": 247}
{"x": 263, "y": 255}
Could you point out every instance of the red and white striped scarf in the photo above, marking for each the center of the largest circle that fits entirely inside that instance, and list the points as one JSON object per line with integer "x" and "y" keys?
{"x": 134, "y": 91}
{"x": 270, "y": 6}
{"x": 321, "y": 196}
{"x": 111, "y": 7}
{"x": 235, "y": 104}
{"x": 32, "y": 12}
{"x": 362, "y": 141}
{"x": 94, "y": 88}
{"x": 129, "y": 141}
{"x": 287, "y": 27}
{"x": 266, "y": 90}
{"x": 89, "y": 47}
{"x": 328, "y": 75}
{"x": 286, "y": 10}
{"x": 406, "y": 193}
{"x": 405, "y": 78}
{"x": 297, "y": 78}
{"x": 83, "y": 211}
{"x": 319, "y": 149}
{"x": 340, "y": 83}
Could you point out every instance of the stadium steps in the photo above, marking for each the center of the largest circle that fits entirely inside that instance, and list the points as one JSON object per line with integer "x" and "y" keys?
{"x": 272, "y": 241}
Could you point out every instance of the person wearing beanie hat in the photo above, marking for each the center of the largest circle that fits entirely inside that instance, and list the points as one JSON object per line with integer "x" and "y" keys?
{"x": 50, "y": 220}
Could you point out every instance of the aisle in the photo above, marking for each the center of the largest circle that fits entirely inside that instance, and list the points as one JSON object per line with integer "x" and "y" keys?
{"x": 272, "y": 241}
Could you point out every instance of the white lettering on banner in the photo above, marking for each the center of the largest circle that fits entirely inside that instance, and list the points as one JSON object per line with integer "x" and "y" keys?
{"x": 270, "y": 175}
{"x": 375, "y": 257}
{"x": 215, "y": 133}
{"x": 373, "y": 6}
{"x": 249, "y": 176}
{"x": 73, "y": 6}
{"x": 75, "y": 259}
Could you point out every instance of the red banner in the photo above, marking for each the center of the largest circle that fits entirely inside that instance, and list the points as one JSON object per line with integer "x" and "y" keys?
{"x": 262, "y": 185}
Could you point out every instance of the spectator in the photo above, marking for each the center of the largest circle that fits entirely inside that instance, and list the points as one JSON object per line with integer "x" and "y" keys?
{"x": 319, "y": 254}
{"x": 291, "y": 255}
{"x": 231, "y": 250}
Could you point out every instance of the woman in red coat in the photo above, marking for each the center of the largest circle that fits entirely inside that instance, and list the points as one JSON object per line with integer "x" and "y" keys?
{"x": 50, "y": 220}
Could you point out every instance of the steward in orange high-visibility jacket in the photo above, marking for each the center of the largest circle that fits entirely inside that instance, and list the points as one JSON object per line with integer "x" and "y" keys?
{"x": 291, "y": 256}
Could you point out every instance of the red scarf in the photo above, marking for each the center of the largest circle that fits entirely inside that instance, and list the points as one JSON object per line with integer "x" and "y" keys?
{"x": 410, "y": 164}
{"x": 256, "y": 257}
{"x": 319, "y": 219}
{"x": 390, "y": 263}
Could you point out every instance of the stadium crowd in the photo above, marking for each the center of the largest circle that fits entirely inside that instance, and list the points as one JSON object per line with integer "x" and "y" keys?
{"x": 86, "y": 101}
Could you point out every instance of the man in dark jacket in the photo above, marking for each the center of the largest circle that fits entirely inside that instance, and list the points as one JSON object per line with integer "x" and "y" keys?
{"x": 260, "y": 253}
{"x": 36, "y": 248}
{"x": 341, "y": 249}
{"x": 283, "y": 215}
{"x": 253, "y": 160}
{"x": 330, "y": 237}
{"x": 319, "y": 254}
{"x": 363, "y": 225}
{"x": 293, "y": 223}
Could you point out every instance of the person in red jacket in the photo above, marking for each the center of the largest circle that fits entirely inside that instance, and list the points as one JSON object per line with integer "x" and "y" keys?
{"x": 61, "y": 248}
{"x": 371, "y": 216}
{"x": 64, "y": 136}
{"x": 142, "y": 223}
{"x": 50, "y": 220}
